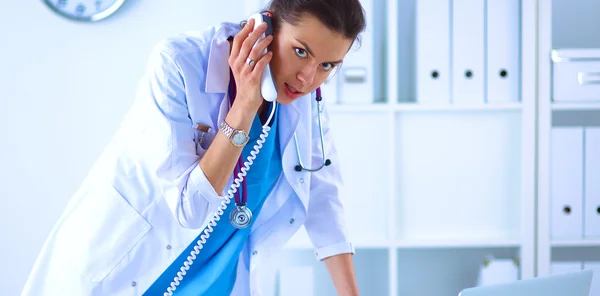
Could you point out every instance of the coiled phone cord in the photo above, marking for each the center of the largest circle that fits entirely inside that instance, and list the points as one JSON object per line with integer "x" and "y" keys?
{"x": 221, "y": 209}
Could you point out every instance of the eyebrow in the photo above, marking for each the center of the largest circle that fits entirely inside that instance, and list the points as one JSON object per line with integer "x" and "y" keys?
{"x": 311, "y": 53}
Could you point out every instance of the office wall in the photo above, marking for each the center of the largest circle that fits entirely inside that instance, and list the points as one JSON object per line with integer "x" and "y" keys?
{"x": 64, "y": 88}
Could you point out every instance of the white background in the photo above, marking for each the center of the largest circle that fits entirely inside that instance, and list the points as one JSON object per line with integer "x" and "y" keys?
{"x": 64, "y": 88}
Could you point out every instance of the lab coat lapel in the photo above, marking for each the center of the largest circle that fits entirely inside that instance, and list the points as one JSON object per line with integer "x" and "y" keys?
{"x": 290, "y": 118}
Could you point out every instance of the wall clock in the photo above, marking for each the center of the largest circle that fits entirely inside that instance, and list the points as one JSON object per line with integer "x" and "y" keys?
{"x": 85, "y": 10}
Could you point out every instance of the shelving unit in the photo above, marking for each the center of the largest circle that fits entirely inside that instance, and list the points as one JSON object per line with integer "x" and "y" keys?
{"x": 431, "y": 189}
{"x": 559, "y": 255}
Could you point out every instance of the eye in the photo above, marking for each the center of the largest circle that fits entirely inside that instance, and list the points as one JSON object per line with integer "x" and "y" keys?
{"x": 301, "y": 52}
{"x": 327, "y": 66}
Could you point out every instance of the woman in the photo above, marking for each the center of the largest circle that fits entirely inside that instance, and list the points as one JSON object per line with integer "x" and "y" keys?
{"x": 138, "y": 216}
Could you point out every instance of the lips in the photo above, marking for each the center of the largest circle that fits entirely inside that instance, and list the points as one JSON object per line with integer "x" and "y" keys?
{"x": 293, "y": 89}
{"x": 292, "y": 92}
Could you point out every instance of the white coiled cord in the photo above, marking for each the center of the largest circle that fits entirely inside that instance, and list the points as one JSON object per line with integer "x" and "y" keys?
{"x": 221, "y": 209}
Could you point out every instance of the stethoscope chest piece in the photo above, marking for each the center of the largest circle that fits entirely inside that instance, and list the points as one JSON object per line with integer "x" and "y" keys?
{"x": 240, "y": 217}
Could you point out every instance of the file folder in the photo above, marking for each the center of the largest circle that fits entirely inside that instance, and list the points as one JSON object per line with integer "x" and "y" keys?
{"x": 468, "y": 74}
{"x": 562, "y": 267}
{"x": 566, "y": 183}
{"x": 592, "y": 184}
{"x": 433, "y": 51}
{"x": 595, "y": 267}
{"x": 502, "y": 51}
{"x": 356, "y": 73}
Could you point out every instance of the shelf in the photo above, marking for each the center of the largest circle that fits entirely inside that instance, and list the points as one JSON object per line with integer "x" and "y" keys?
{"x": 458, "y": 244}
{"x": 590, "y": 106}
{"x": 575, "y": 243}
{"x": 375, "y": 107}
{"x": 457, "y": 107}
{"x": 302, "y": 245}
{"x": 415, "y": 107}
{"x": 412, "y": 244}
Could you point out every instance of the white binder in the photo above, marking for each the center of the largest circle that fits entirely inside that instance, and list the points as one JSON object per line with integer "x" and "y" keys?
{"x": 591, "y": 194}
{"x": 502, "y": 51}
{"x": 561, "y": 267}
{"x": 468, "y": 74}
{"x": 595, "y": 266}
{"x": 356, "y": 73}
{"x": 566, "y": 193}
{"x": 433, "y": 51}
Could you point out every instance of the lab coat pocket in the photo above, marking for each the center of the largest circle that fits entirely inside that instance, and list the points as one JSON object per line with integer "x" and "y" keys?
{"x": 99, "y": 232}
{"x": 202, "y": 140}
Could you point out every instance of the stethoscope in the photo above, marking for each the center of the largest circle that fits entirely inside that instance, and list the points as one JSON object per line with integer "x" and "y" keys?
{"x": 300, "y": 167}
{"x": 241, "y": 216}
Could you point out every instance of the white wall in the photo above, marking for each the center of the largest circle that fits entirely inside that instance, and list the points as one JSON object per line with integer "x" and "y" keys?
{"x": 64, "y": 88}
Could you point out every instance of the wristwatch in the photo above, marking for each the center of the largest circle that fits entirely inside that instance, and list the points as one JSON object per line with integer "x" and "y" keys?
{"x": 239, "y": 138}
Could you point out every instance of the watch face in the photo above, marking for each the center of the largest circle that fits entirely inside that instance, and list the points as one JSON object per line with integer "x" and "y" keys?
{"x": 84, "y": 10}
{"x": 239, "y": 138}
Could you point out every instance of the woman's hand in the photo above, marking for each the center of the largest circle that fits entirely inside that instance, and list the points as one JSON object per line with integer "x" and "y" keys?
{"x": 248, "y": 76}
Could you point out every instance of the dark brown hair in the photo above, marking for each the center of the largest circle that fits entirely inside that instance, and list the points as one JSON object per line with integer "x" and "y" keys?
{"x": 346, "y": 17}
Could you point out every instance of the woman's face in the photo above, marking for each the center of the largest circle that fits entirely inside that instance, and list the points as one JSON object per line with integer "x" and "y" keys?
{"x": 303, "y": 57}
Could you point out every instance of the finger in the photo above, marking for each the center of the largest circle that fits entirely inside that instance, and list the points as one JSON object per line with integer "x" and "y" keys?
{"x": 260, "y": 48}
{"x": 257, "y": 52}
{"x": 249, "y": 42}
{"x": 240, "y": 37}
{"x": 262, "y": 63}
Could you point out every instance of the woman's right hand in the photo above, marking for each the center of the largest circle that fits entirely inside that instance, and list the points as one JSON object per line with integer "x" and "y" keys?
{"x": 248, "y": 77}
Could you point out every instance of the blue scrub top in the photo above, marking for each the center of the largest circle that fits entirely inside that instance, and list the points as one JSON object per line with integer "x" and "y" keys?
{"x": 214, "y": 269}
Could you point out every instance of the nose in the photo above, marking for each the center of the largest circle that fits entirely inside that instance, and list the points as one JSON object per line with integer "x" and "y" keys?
{"x": 307, "y": 74}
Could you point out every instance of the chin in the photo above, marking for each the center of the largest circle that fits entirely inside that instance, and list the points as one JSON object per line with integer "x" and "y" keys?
{"x": 282, "y": 99}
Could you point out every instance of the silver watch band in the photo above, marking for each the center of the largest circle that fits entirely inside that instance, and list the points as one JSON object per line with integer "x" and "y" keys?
{"x": 228, "y": 130}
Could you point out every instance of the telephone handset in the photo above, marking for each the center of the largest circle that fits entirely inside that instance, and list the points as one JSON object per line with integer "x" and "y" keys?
{"x": 269, "y": 93}
{"x": 267, "y": 85}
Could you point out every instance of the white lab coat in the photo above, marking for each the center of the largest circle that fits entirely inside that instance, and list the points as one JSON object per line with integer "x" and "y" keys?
{"x": 146, "y": 199}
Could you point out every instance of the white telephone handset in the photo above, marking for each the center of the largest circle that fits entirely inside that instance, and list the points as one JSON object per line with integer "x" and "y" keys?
{"x": 269, "y": 93}
{"x": 267, "y": 85}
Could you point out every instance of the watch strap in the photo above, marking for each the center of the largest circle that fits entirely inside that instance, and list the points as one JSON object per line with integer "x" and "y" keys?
{"x": 227, "y": 129}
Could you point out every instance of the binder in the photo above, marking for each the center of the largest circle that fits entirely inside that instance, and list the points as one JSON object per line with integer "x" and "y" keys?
{"x": 468, "y": 74}
{"x": 433, "y": 51}
{"x": 594, "y": 266}
{"x": 502, "y": 51}
{"x": 592, "y": 184}
{"x": 562, "y": 267}
{"x": 566, "y": 183}
{"x": 356, "y": 73}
